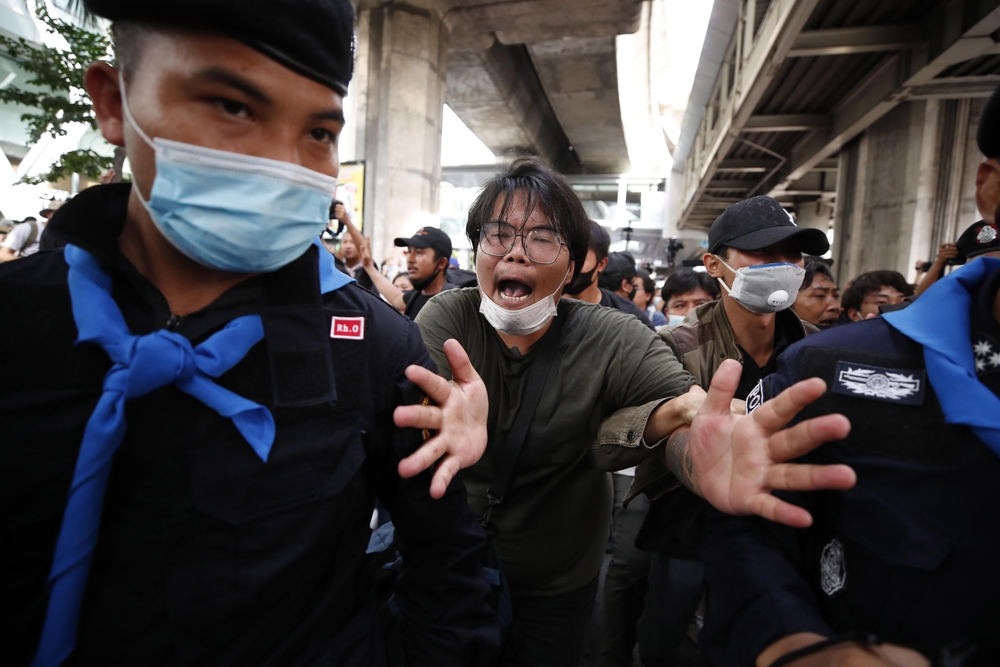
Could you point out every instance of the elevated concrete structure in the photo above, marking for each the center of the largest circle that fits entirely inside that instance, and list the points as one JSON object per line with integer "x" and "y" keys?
{"x": 855, "y": 115}
{"x": 526, "y": 76}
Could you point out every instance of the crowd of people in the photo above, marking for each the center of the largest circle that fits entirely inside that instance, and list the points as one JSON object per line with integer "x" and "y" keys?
{"x": 229, "y": 438}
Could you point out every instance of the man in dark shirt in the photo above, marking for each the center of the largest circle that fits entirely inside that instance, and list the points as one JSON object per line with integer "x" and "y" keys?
{"x": 585, "y": 285}
{"x": 246, "y": 398}
{"x": 428, "y": 253}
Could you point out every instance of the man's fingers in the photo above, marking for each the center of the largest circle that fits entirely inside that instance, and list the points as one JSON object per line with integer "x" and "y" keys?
{"x": 461, "y": 368}
{"x": 724, "y": 385}
{"x": 435, "y": 386}
{"x": 423, "y": 458}
{"x": 774, "y": 414}
{"x": 418, "y": 416}
{"x": 774, "y": 509}
{"x": 807, "y": 436}
{"x": 445, "y": 472}
{"x": 808, "y": 477}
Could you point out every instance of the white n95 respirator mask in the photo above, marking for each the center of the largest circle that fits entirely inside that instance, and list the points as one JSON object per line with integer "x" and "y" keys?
{"x": 765, "y": 288}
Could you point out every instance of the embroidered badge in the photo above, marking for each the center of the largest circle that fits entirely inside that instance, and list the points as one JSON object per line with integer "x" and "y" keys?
{"x": 348, "y": 327}
{"x": 881, "y": 384}
{"x": 987, "y": 354}
{"x": 832, "y": 569}
{"x": 987, "y": 234}
{"x": 755, "y": 398}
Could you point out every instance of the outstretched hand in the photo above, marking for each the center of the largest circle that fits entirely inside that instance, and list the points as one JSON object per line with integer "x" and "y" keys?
{"x": 735, "y": 462}
{"x": 459, "y": 412}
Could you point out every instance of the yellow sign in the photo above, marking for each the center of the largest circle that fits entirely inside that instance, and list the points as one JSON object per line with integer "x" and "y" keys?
{"x": 351, "y": 191}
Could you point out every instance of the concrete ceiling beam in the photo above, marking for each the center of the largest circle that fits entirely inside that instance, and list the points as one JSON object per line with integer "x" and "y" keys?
{"x": 956, "y": 88}
{"x": 861, "y": 39}
{"x": 498, "y": 95}
{"x": 957, "y": 32}
{"x": 796, "y": 122}
{"x": 747, "y": 166}
{"x": 758, "y": 63}
{"x": 534, "y": 21}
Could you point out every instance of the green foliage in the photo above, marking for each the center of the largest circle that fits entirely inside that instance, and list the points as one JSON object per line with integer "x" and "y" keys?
{"x": 62, "y": 97}
{"x": 80, "y": 161}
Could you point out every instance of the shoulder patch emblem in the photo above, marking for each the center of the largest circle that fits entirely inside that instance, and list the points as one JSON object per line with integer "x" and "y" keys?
{"x": 755, "y": 398}
{"x": 987, "y": 234}
{"x": 832, "y": 568}
{"x": 881, "y": 384}
{"x": 348, "y": 327}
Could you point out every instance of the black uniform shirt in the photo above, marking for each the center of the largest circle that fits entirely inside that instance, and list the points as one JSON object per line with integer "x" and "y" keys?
{"x": 207, "y": 555}
{"x": 909, "y": 553}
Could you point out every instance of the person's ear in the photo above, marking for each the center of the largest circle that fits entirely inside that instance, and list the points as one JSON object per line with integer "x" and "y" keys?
{"x": 570, "y": 272}
{"x": 713, "y": 265}
{"x": 988, "y": 189}
{"x": 601, "y": 265}
{"x": 443, "y": 267}
{"x": 853, "y": 315}
{"x": 101, "y": 80}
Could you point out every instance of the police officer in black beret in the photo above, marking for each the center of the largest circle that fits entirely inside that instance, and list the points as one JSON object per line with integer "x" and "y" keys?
{"x": 901, "y": 568}
{"x": 197, "y": 409}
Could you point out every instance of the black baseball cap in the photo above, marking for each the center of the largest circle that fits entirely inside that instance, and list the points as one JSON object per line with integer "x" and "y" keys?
{"x": 979, "y": 238}
{"x": 428, "y": 237}
{"x": 759, "y": 222}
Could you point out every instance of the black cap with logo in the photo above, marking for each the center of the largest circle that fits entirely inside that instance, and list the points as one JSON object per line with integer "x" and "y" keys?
{"x": 759, "y": 222}
{"x": 428, "y": 237}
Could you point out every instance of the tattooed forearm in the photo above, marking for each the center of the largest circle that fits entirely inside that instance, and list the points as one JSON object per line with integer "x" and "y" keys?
{"x": 677, "y": 458}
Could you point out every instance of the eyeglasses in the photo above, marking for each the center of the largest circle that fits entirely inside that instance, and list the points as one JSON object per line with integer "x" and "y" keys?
{"x": 542, "y": 246}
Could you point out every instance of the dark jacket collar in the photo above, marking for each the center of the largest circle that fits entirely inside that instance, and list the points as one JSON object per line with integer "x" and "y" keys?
{"x": 93, "y": 220}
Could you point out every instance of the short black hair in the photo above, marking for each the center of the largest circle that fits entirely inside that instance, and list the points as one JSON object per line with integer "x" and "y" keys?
{"x": 545, "y": 190}
{"x": 127, "y": 38}
{"x": 600, "y": 241}
{"x": 688, "y": 280}
{"x": 870, "y": 282}
{"x": 621, "y": 266}
{"x": 814, "y": 268}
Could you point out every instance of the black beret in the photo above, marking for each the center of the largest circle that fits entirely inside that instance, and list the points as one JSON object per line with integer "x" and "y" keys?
{"x": 312, "y": 37}
{"x": 988, "y": 134}
{"x": 978, "y": 238}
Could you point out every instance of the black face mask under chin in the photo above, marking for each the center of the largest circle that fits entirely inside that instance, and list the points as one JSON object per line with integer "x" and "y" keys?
{"x": 581, "y": 282}
{"x": 421, "y": 285}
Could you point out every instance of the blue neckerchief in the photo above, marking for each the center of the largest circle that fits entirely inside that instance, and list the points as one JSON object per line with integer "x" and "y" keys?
{"x": 140, "y": 365}
{"x": 940, "y": 320}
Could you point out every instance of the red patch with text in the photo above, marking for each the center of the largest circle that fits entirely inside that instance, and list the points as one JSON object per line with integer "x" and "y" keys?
{"x": 348, "y": 327}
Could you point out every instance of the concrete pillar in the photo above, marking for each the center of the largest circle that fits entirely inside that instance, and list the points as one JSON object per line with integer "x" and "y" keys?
{"x": 394, "y": 111}
{"x": 905, "y": 186}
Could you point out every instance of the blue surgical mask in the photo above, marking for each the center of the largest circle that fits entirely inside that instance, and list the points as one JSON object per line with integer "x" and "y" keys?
{"x": 231, "y": 211}
{"x": 674, "y": 319}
